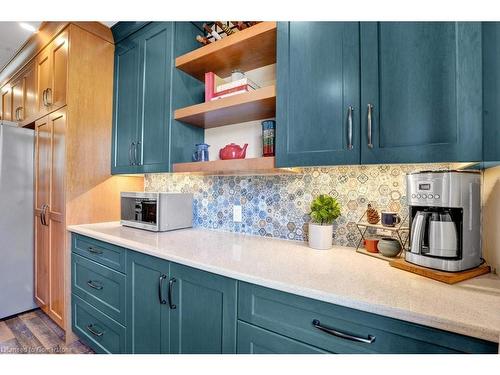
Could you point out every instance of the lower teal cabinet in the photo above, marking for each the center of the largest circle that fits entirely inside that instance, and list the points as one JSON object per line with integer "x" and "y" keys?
{"x": 255, "y": 340}
{"x": 203, "y": 314}
{"x": 155, "y": 306}
{"x": 147, "y": 305}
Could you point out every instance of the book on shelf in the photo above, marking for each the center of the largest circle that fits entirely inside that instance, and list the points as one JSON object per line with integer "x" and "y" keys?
{"x": 217, "y": 88}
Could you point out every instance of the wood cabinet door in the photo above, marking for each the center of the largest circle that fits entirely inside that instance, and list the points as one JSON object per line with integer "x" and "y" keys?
{"x": 59, "y": 70}
{"x": 43, "y": 73}
{"x": 42, "y": 186}
{"x": 126, "y": 115}
{"x": 147, "y": 304}
{"x": 30, "y": 92}
{"x": 424, "y": 83}
{"x": 317, "y": 113}
{"x": 55, "y": 216}
{"x": 204, "y": 318}
{"x": 156, "y": 60}
{"x": 6, "y": 102}
{"x": 18, "y": 98}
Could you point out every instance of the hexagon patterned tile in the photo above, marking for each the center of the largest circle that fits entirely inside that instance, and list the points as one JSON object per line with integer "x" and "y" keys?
{"x": 278, "y": 206}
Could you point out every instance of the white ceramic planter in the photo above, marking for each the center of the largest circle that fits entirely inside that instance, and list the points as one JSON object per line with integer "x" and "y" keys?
{"x": 320, "y": 236}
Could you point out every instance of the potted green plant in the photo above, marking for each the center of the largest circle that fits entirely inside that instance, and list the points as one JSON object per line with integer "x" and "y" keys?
{"x": 324, "y": 210}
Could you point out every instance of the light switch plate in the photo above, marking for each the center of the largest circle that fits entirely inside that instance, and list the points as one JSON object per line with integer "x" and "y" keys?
{"x": 237, "y": 214}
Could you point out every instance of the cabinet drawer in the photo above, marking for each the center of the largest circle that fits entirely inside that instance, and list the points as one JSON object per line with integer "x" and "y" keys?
{"x": 292, "y": 316}
{"x": 255, "y": 340}
{"x": 100, "y": 332}
{"x": 100, "y": 286}
{"x": 104, "y": 253}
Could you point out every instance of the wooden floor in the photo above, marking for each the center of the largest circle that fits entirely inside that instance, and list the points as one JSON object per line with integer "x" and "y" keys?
{"x": 34, "y": 333}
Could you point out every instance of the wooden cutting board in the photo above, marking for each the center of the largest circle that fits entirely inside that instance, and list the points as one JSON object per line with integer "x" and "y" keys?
{"x": 445, "y": 277}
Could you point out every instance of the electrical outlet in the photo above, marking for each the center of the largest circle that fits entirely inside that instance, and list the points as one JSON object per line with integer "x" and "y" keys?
{"x": 237, "y": 214}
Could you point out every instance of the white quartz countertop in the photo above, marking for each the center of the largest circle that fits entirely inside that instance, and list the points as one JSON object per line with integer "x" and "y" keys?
{"x": 340, "y": 275}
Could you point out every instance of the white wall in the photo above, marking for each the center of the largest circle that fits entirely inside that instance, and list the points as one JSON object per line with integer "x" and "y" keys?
{"x": 248, "y": 132}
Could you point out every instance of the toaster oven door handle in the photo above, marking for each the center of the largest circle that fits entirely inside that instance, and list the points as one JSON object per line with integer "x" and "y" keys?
{"x": 317, "y": 324}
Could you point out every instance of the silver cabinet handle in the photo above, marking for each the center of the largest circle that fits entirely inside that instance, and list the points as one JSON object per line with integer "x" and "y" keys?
{"x": 44, "y": 101}
{"x": 130, "y": 157}
{"x": 135, "y": 153}
{"x": 94, "y": 251}
{"x": 350, "y": 109}
{"x": 93, "y": 284}
{"x": 317, "y": 324}
{"x": 163, "y": 301}
{"x": 370, "y": 110}
{"x": 43, "y": 218}
{"x": 49, "y": 92}
{"x": 91, "y": 329}
{"x": 170, "y": 293}
{"x": 18, "y": 113}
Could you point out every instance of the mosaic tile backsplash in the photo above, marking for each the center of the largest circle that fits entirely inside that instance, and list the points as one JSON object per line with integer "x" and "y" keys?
{"x": 278, "y": 206}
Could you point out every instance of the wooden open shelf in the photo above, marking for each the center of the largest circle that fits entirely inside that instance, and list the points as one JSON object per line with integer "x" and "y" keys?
{"x": 253, "y": 105}
{"x": 246, "y": 50}
{"x": 254, "y": 166}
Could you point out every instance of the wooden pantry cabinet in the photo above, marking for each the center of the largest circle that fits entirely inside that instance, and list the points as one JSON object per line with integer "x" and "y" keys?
{"x": 61, "y": 85}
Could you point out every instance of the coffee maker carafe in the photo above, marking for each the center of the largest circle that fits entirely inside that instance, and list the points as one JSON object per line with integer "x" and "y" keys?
{"x": 444, "y": 219}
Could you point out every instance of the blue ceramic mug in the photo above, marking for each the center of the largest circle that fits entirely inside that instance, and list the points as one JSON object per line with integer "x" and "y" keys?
{"x": 390, "y": 219}
{"x": 201, "y": 152}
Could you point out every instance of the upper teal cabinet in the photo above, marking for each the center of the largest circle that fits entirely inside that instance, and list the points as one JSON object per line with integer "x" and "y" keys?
{"x": 411, "y": 90}
{"x": 423, "y": 84}
{"x": 145, "y": 137}
{"x": 317, "y": 94}
{"x": 491, "y": 87}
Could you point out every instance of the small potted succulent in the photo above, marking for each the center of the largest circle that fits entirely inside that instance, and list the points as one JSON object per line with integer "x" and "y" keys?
{"x": 324, "y": 210}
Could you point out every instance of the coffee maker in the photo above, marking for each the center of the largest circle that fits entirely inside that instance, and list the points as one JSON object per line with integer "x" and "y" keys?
{"x": 445, "y": 219}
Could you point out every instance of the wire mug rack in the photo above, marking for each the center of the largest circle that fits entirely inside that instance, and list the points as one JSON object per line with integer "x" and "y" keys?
{"x": 400, "y": 231}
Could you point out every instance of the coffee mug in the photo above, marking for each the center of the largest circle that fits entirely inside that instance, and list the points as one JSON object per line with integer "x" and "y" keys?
{"x": 371, "y": 244}
{"x": 390, "y": 219}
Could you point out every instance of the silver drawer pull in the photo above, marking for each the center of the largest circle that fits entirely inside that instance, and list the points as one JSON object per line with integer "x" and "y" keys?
{"x": 93, "y": 331}
{"x": 350, "y": 109}
{"x": 370, "y": 110}
{"x": 92, "y": 284}
{"x": 94, "y": 251}
{"x": 317, "y": 324}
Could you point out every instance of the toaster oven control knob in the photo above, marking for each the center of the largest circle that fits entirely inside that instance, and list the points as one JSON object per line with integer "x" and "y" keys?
{"x": 424, "y": 196}
{"x": 436, "y": 196}
{"x": 430, "y": 196}
{"x": 413, "y": 195}
{"x": 419, "y": 196}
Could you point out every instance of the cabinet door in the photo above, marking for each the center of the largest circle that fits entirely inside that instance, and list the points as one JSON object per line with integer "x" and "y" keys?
{"x": 156, "y": 56}
{"x": 6, "y": 102}
{"x": 423, "y": 80}
{"x": 43, "y": 73}
{"x": 491, "y": 96}
{"x": 126, "y": 115}
{"x": 17, "y": 98}
{"x": 318, "y": 94}
{"x": 204, "y": 318}
{"x": 59, "y": 70}
{"x": 42, "y": 185}
{"x": 55, "y": 216}
{"x": 30, "y": 92}
{"x": 147, "y": 305}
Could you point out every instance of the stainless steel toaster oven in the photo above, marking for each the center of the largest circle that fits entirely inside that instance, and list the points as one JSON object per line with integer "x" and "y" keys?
{"x": 157, "y": 212}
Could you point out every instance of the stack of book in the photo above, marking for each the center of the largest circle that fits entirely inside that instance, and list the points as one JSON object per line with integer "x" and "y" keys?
{"x": 218, "y": 88}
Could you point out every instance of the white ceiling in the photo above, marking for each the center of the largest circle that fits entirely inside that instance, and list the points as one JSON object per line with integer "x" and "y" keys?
{"x": 12, "y": 37}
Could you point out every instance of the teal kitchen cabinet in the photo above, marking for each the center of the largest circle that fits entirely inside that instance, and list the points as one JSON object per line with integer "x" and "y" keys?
{"x": 318, "y": 94}
{"x": 148, "y": 317}
{"x": 491, "y": 91}
{"x": 147, "y": 88}
{"x": 415, "y": 89}
{"x": 421, "y": 92}
{"x": 203, "y": 312}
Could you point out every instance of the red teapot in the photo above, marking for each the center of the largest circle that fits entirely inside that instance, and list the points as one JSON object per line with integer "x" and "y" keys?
{"x": 233, "y": 151}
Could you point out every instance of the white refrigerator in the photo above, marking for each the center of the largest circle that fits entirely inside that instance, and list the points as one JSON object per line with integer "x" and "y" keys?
{"x": 16, "y": 220}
